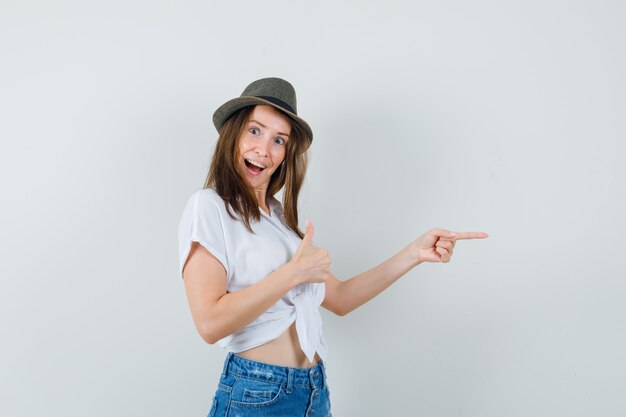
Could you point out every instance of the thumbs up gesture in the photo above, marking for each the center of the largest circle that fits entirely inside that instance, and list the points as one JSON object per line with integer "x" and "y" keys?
{"x": 311, "y": 264}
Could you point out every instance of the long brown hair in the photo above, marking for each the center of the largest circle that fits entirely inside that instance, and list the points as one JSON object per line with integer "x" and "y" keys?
{"x": 230, "y": 184}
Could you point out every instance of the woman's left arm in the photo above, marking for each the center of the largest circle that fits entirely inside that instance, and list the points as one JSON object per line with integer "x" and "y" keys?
{"x": 436, "y": 245}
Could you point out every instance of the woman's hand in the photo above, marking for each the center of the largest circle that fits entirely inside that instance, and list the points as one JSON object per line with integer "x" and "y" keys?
{"x": 437, "y": 245}
{"x": 310, "y": 263}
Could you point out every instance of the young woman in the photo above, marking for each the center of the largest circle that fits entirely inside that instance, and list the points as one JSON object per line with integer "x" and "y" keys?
{"x": 254, "y": 281}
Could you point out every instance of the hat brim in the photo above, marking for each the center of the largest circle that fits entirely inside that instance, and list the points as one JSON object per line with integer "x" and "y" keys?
{"x": 231, "y": 106}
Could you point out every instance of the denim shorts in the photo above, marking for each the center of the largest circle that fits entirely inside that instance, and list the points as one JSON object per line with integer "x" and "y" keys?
{"x": 249, "y": 388}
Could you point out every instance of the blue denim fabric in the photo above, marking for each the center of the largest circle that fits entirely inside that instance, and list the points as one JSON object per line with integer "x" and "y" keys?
{"x": 249, "y": 388}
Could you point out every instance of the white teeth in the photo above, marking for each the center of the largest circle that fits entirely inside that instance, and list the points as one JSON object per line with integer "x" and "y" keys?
{"x": 256, "y": 164}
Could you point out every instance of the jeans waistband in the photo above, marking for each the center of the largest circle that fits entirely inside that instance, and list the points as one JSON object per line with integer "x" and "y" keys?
{"x": 308, "y": 377}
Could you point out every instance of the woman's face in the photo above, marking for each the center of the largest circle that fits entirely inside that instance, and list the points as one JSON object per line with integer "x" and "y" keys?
{"x": 263, "y": 145}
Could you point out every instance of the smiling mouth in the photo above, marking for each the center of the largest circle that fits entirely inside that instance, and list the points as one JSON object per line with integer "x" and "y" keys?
{"x": 254, "y": 166}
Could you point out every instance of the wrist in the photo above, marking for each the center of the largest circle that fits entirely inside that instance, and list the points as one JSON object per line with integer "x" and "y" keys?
{"x": 292, "y": 274}
{"x": 409, "y": 256}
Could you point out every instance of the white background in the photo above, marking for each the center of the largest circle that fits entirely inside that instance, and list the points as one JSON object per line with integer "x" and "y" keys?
{"x": 504, "y": 117}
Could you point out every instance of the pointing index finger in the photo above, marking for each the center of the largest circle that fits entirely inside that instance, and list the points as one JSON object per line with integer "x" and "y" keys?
{"x": 470, "y": 235}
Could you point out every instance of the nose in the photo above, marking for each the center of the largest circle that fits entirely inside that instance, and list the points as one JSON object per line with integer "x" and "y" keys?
{"x": 262, "y": 146}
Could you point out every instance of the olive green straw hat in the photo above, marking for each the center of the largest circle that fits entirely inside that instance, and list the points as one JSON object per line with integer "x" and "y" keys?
{"x": 274, "y": 92}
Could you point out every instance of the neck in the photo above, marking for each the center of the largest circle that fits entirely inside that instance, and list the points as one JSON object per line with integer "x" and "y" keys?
{"x": 261, "y": 194}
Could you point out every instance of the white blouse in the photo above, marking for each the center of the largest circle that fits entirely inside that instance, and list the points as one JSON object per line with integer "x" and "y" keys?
{"x": 249, "y": 257}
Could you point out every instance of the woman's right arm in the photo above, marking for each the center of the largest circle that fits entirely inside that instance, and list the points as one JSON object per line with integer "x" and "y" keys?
{"x": 217, "y": 313}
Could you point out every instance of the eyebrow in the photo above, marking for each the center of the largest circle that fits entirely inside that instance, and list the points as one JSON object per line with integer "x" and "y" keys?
{"x": 265, "y": 127}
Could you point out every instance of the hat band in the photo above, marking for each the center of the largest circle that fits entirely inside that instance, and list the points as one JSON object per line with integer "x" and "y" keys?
{"x": 278, "y": 102}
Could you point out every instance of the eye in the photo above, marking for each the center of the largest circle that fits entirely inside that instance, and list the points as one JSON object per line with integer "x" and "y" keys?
{"x": 255, "y": 131}
{"x": 279, "y": 141}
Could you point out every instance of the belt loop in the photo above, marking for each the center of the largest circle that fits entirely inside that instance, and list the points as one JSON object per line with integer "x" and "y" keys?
{"x": 289, "y": 380}
{"x": 311, "y": 377}
{"x": 228, "y": 357}
{"x": 323, "y": 370}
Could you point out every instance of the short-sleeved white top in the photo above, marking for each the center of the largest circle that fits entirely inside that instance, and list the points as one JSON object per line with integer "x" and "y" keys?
{"x": 249, "y": 257}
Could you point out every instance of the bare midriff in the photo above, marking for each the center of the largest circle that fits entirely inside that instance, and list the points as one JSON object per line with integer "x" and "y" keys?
{"x": 283, "y": 351}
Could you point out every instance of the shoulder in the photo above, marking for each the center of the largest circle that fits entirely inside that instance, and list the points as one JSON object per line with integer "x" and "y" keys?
{"x": 203, "y": 206}
{"x": 206, "y": 198}
{"x": 207, "y": 195}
